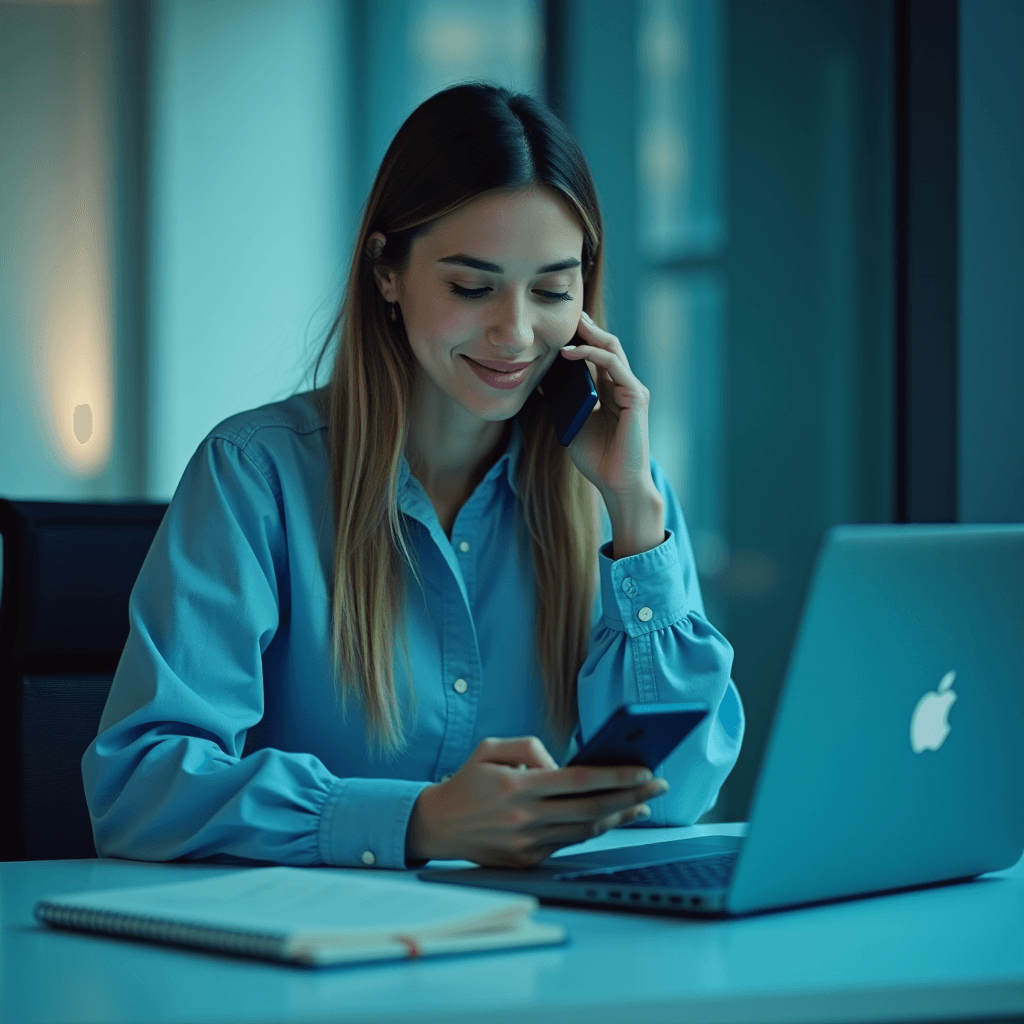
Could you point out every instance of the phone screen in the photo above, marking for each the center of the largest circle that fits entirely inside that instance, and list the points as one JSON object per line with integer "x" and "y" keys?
{"x": 570, "y": 394}
{"x": 638, "y": 734}
{"x": 641, "y": 734}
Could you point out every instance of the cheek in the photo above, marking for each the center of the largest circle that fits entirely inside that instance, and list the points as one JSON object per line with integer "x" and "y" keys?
{"x": 439, "y": 316}
{"x": 564, "y": 320}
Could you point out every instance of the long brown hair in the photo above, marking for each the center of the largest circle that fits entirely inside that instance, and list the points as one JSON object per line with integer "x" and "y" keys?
{"x": 460, "y": 143}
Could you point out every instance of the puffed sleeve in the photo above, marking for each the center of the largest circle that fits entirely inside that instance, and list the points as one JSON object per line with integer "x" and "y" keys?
{"x": 652, "y": 644}
{"x": 166, "y": 777}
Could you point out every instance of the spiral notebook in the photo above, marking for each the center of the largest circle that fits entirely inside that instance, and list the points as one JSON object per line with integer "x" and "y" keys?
{"x": 309, "y": 916}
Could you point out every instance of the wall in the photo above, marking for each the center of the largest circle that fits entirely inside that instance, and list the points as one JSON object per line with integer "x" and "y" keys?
{"x": 991, "y": 341}
{"x": 245, "y": 210}
{"x": 249, "y": 205}
{"x": 809, "y": 366}
{"x": 57, "y": 342}
{"x": 251, "y": 208}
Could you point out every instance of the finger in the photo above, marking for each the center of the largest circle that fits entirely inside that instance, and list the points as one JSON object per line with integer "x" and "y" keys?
{"x": 597, "y": 806}
{"x": 566, "y": 833}
{"x": 516, "y": 751}
{"x": 579, "y": 780}
{"x": 590, "y": 325}
{"x": 548, "y": 839}
{"x": 601, "y": 356}
{"x": 598, "y": 336}
{"x": 614, "y": 365}
{"x": 627, "y": 390}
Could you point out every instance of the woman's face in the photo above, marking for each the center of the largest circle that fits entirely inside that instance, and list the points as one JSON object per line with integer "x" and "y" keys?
{"x": 498, "y": 281}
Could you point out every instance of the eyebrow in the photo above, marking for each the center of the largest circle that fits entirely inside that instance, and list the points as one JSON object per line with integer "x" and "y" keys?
{"x": 462, "y": 260}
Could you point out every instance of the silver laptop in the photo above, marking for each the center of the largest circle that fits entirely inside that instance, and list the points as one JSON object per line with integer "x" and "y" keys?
{"x": 896, "y": 758}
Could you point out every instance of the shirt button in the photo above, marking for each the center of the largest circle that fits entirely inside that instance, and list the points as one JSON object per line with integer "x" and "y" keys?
{"x": 464, "y": 545}
{"x": 645, "y": 614}
{"x": 460, "y": 685}
{"x": 367, "y": 857}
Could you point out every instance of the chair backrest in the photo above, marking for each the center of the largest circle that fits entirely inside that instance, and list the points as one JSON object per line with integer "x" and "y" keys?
{"x": 68, "y": 571}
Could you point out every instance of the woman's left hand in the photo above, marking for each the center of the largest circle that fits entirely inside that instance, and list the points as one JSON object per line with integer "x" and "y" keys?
{"x": 612, "y": 449}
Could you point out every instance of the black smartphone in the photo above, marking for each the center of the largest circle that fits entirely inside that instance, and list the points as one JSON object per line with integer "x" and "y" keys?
{"x": 570, "y": 394}
{"x": 641, "y": 734}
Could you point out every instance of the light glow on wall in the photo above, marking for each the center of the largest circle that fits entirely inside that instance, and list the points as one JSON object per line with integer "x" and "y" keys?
{"x": 455, "y": 40}
{"x": 70, "y": 273}
{"x": 72, "y": 336}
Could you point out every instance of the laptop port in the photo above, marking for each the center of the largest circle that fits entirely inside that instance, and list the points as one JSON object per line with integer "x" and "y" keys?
{"x": 592, "y": 893}
{"x": 694, "y": 901}
{"x": 654, "y": 898}
{"x": 614, "y": 894}
{"x": 636, "y": 896}
{"x": 675, "y": 899}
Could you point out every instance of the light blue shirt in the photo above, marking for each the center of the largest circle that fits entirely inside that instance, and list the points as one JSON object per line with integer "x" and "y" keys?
{"x": 223, "y": 735}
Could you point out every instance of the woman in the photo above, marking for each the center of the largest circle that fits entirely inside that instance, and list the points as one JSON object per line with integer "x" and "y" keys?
{"x": 259, "y": 713}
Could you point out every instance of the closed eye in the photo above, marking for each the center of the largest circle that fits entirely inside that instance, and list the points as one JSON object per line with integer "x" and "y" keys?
{"x": 477, "y": 293}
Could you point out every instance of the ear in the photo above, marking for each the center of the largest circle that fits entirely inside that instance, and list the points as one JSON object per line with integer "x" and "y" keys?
{"x": 387, "y": 283}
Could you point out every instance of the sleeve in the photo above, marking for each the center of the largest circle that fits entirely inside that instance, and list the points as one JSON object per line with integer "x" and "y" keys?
{"x": 652, "y": 644}
{"x": 166, "y": 777}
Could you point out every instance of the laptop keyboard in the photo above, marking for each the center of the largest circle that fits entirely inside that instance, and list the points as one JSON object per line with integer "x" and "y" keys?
{"x": 699, "y": 873}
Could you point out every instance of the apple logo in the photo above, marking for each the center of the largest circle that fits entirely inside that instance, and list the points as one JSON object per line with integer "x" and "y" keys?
{"x": 928, "y": 725}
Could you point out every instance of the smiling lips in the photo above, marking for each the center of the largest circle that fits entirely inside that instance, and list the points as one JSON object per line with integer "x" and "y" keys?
{"x": 504, "y": 380}
{"x": 496, "y": 364}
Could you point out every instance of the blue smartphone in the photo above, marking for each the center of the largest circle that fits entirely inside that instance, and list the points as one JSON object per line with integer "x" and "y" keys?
{"x": 641, "y": 734}
{"x": 570, "y": 394}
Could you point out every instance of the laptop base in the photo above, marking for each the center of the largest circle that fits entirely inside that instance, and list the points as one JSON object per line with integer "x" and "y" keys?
{"x": 552, "y": 880}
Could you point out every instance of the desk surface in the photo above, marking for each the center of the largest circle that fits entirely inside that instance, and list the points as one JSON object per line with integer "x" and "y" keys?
{"x": 948, "y": 953}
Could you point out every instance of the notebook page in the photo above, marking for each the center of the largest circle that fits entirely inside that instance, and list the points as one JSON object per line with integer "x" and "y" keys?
{"x": 530, "y": 933}
{"x": 286, "y": 900}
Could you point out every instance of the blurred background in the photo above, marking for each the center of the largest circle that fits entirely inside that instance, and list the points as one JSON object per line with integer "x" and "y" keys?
{"x": 815, "y": 246}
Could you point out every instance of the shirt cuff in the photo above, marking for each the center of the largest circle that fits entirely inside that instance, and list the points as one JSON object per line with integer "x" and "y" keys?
{"x": 643, "y": 592}
{"x": 364, "y": 821}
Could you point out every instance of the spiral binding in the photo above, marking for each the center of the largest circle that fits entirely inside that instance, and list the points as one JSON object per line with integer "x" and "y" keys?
{"x": 159, "y": 929}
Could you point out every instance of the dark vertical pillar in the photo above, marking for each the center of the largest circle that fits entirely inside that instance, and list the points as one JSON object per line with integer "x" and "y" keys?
{"x": 357, "y": 27}
{"x": 927, "y": 219}
{"x": 600, "y": 69}
{"x": 131, "y": 94}
{"x": 556, "y": 64}
{"x": 991, "y": 370}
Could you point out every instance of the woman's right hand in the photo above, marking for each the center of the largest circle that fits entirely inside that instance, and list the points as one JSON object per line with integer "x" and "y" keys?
{"x": 495, "y": 814}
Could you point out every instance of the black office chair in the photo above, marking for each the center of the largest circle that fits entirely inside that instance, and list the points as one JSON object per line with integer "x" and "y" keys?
{"x": 68, "y": 570}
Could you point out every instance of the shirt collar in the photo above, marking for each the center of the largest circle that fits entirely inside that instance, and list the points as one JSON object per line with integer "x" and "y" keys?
{"x": 507, "y": 465}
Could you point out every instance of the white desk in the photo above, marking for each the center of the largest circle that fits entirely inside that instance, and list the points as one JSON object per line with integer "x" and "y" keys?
{"x": 941, "y": 954}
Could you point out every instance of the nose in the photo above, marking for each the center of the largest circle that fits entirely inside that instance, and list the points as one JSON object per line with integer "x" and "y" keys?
{"x": 511, "y": 330}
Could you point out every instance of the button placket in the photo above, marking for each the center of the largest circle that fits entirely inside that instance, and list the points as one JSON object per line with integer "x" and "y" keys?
{"x": 463, "y": 545}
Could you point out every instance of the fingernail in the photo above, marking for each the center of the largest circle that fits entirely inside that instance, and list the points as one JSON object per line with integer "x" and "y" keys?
{"x": 644, "y": 776}
{"x": 568, "y": 348}
{"x": 643, "y": 812}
